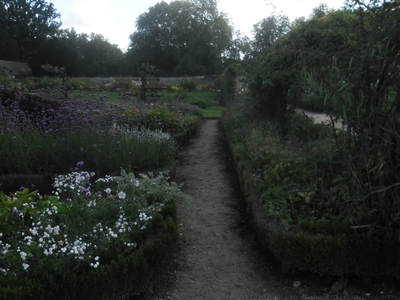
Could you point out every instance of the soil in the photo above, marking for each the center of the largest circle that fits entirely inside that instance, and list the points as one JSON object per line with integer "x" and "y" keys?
{"x": 218, "y": 255}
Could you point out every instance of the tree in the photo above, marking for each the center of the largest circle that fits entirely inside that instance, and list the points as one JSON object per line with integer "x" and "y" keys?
{"x": 56, "y": 52}
{"x": 239, "y": 50}
{"x": 99, "y": 57}
{"x": 321, "y": 11}
{"x": 182, "y": 37}
{"x": 79, "y": 54}
{"x": 266, "y": 32}
{"x": 24, "y": 26}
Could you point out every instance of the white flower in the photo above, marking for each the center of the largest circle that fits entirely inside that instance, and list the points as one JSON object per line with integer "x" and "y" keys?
{"x": 121, "y": 195}
{"x": 23, "y": 255}
{"x": 25, "y": 266}
{"x": 96, "y": 258}
{"x": 108, "y": 190}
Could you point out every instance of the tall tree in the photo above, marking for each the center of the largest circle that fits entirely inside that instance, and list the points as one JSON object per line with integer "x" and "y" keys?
{"x": 100, "y": 57}
{"x": 24, "y": 27}
{"x": 239, "y": 49}
{"x": 182, "y": 37}
{"x": 266, "y": 32}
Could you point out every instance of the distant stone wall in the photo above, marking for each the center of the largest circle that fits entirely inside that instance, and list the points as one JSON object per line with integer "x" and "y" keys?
{"x": 16, "y": 69}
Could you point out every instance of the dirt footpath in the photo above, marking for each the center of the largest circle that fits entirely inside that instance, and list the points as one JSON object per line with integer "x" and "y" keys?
{"x": 218, "y": 256}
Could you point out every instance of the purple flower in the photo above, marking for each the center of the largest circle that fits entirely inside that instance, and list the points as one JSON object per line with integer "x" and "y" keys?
{"x": 15, "y": 212}
{"x": 118, "y": 90}
{"x": 14, "y": 137}
{"x": 80, "y": 163}
{"x": 84, "y": 191}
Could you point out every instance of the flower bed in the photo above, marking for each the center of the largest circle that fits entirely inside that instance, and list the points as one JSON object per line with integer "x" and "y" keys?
{"x": 78, "y": 238}
{"x": 86, "y": 235}
{"x": 40, "y": 135}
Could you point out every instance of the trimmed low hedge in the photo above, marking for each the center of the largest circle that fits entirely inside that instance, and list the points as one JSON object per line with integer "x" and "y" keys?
{"x": 125, "y": 276}
{"x": 354, "y": 254}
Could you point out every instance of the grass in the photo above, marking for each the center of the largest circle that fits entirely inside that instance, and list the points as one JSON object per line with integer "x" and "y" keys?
{"x": 213, "y": 112}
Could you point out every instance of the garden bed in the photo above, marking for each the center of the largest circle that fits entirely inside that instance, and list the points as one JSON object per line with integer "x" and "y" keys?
{"x": 322, "y": 246}
{"x": 84, "y": 234}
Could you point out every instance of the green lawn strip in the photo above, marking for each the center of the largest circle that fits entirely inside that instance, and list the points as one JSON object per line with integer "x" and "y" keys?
{"x": 214, "y": 112}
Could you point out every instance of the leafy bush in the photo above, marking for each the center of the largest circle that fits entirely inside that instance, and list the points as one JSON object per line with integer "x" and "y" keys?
{"x": 203, "y": 99}
{"x": 189, "y": 85}
{"x": 82, "y": 84}
{"x": 227, "y": 83}
{"x": 5, "y": 78}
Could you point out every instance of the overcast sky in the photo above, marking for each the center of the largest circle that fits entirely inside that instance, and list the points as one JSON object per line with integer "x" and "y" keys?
{"x": 115, "y": 19}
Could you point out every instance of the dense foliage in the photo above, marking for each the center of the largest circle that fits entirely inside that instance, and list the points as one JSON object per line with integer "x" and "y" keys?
{"x": 182, "y": 37}
{"x": 79, "y": 54}
{"x": 178, "y": 38}
{"x": 25, "y": 26}
{"x": 325, "y": 188}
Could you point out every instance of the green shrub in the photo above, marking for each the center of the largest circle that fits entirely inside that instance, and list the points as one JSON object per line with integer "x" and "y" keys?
{"x": 339, "y": 254}
{"x": 227, "y": 83}
{"x": 189, "y": 85}
{"x": 5, "y": 78}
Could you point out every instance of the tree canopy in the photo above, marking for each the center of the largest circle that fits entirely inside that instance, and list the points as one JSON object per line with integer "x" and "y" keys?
{"x": 182, "y": 37}
{"x": 79, "y": 54}
{"x": 24, "y": 26}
